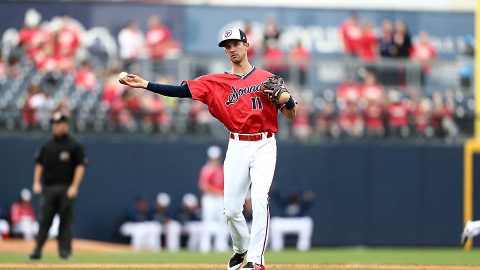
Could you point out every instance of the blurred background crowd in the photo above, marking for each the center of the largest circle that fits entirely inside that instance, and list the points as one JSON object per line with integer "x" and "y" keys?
{"x": 393, "y": 86}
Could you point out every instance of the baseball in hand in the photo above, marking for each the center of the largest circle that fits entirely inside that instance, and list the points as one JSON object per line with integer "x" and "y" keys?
{"x": 122, "y": 75}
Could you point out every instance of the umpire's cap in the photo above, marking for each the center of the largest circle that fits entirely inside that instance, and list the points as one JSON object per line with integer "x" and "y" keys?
{"x": 232, "y": 34}
{"x": 58, "y": 117}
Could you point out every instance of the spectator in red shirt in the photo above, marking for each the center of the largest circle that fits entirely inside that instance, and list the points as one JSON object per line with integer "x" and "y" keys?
{"x": 350, "y": 120}
{"x": 300, "y": 61}
{"x": 112, "y": 89}
{"x": 33, "y": 35}
{"x": 157, "y": 118}
{"x": 397, "y": 115}
{"x": 124, "y": 110}
{"x": 85, "y": 78}
{"x": 374, "y": 115}
{"x": 160, "y": 44}
{"x": 29, "y": 118}
{"x": 68, "y": 39}
{"x": 421, "y": 117}
{"x": 301, "y": 126}
{"x": 368, "y": 43}
{"x": 370, "y": 89}
{"x": 211, "y": 185}
{"x": 424, "y": 52}
{"x": 275, "y": 59}
{"x": 350, "y": 33}
{"x": 22, "y": 216}
{"x": 348, "y": 90}
{"x": 158, "y": 37}
{"x": 44, "y": 58}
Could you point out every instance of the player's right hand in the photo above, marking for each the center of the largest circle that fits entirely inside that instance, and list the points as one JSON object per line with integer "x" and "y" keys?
{"x": 135, "y": 81}
{"x": 37, "y": 188}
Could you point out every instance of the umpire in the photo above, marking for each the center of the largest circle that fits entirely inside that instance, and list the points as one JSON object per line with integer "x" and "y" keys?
{"x": 60, "y": 166}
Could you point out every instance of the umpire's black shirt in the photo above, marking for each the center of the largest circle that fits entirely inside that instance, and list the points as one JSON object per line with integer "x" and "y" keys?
{"x": 59, "y": 157}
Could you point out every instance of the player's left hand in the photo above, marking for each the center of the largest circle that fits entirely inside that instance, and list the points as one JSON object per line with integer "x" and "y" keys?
{"x": 72, "y": 192}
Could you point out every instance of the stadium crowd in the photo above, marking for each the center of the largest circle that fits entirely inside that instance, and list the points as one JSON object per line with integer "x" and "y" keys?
{"x": 49, "y": 68}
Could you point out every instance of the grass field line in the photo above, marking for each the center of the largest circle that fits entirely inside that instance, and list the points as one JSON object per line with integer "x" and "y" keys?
{"x": 221, "y": 266}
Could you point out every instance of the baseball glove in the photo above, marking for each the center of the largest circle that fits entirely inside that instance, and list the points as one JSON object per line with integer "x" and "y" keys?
{"x": 276, "y": 85}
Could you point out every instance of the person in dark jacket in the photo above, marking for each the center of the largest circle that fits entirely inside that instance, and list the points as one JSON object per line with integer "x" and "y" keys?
{"x": 59, "y": 170}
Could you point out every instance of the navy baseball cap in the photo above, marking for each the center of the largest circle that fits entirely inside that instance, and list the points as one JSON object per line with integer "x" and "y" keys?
{"x": 232, "y": 34}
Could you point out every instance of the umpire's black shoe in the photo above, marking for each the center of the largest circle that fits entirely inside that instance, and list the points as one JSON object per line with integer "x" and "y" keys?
{"x": 65, "y": 256}
{"x": 236, "y": 261}
{"x": 35, "y": 256}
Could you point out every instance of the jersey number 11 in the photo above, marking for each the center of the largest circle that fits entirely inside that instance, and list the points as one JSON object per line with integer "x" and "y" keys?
{"x": 256, "y": 103}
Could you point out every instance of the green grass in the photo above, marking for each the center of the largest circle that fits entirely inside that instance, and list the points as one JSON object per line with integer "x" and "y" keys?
{"x": 427, "y": 256}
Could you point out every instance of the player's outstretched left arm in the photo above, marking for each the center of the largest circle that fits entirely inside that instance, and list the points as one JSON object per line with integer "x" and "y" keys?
{"x": 289, "y": 110}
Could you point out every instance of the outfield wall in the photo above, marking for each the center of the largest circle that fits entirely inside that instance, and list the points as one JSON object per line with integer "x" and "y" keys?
{"x": 366, "y": 194}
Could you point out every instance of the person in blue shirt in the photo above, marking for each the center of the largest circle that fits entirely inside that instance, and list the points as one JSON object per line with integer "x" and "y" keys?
{"x": 139, "y": 225}
{"x": 292, "y": 220}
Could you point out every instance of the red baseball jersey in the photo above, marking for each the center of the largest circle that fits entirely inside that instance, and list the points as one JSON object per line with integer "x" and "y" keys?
{"x": 211, "y": 177}
{"x": 237, "y": 101}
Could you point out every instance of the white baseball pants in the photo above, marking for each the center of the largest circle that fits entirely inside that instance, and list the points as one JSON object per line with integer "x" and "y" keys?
{"x": 213, "y": 224}
{"x": 249, "y": 163}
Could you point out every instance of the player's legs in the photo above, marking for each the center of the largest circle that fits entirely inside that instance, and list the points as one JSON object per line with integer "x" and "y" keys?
{"x": 261, "y": 172}
{"x": 49, "y": 206}
{"x": 152, "y": 240}
{"x": 138, "y": 234}
{"x": 221, "y": 234}
{"x": 65, "y": 229}
{"x": 208, "y": 221}
{"x": 276, "y": 234}
{"x": 237, "y": 181}
{"x": 173, "y": 229}
{"x": 301, "y": 226}
{"x": 304, "y": 233}
{"x": 194, "y": 230}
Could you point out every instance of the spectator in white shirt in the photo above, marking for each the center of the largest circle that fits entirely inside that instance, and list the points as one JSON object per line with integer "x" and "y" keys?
{"x": 131, "y": 42}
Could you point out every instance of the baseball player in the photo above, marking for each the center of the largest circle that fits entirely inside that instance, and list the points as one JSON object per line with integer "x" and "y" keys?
{"x": 246, "y": 99}
{"x": 211, "y": 185}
